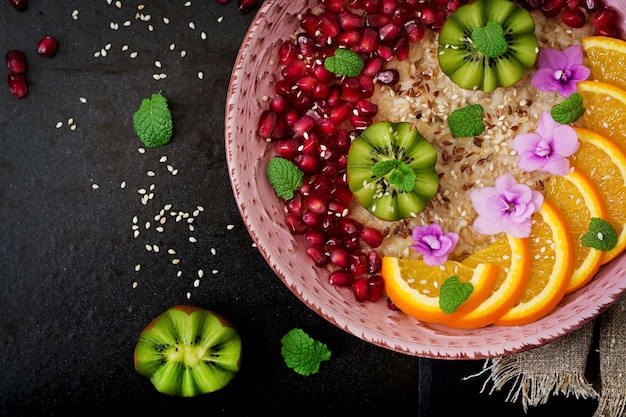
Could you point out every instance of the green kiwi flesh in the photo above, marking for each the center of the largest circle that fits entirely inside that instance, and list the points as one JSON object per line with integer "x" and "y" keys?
{"x": 468, "y": 67}
{"x": 187, "y": 351}
{"x": 392, "y": 141}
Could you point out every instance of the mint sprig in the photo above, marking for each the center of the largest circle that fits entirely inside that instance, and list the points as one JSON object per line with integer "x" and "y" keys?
{"x": 466, "y": 121}
{"x": 601, "y": 235}
{"x": 453, "y": 293}
{"x": 284, "y": 176}
{"x": 569, "y": 110}
{"x": 400, "y": 174}
{"x": 490, "y": 39}
{"x": 153, "y": 121}
{"x": 302, "y": 353}
{"x": 344, "y": 62}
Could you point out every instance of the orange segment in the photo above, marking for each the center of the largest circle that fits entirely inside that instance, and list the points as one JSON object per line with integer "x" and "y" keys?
{"x": 606, "y": 107}
{"x": 604, "y": 163}
{"x": 512, "y": 255}
{"x": 552, "y": 254}
{"x": 607, "y": 59}
{"x": 414, "y": 286}
{"x": 578, "y": 200}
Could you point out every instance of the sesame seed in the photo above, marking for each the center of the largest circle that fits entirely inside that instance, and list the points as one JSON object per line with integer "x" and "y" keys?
{"x": 187, "y": 4}
{"x": 83, "y": 100}
{"x": 200, "y": 75}
{"x": 59, "y": 124}
{"x": 213, "y": 251}
{"x": 188, "y": 295}
{"x": 171, "y": 251}
{"x": 219, "y": 19}
{"x": 193, "y": 239}
{"x": 179, "y": 274}
{"x": 196, "y": 283}
{"x": 166, "y": 20}
{"x": 200, "y": 273}
{"x": 137, "y": 267}
{"x": 73, "y": 127}
{"x": 172, "y": 47}
{"x": 151, "y": 174}
{"x": 133, "y": 55}
{"x": 95, "y": 186}
{"x": 230, "y": 227}
{"x": 135, "y": 284}
{"x": 75, "y": 15}
{"x": 214, "y": 272}
{"x": 183, "y": 54}
{"x": 192, "y": 25}
{"x": 123, "y": 184}
{"x": 176, "y": 261}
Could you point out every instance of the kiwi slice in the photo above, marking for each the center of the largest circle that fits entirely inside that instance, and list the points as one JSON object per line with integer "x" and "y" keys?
{"x": 487, "y": 44}
{"x": 391, "y": 170}
{"x": 187, "y": 351}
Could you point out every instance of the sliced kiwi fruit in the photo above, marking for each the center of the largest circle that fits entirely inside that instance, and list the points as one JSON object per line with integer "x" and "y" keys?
{"x": 391, "y": 170}
{"x": 187, "y": 351}
{"x": 487, "y": 44}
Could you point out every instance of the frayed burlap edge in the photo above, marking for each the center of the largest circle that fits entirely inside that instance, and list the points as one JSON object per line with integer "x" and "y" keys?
{"x": 538, "y": 374}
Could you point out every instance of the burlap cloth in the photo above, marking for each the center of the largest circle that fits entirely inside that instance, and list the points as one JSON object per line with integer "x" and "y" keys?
{"x": 589, "y": 363}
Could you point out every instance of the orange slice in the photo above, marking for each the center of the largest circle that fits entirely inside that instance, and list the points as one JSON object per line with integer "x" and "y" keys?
{"x": 414, "y": 286}
{"x": 607, "y": 59}
{"x": 552, "y": 254}
{"x": 606, "y": 109}
{"x": 604, "y": 163}
{"x": 513, "y": 257}
{"x": 578, "y": 200}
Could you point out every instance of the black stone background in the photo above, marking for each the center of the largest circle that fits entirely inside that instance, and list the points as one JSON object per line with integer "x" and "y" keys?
{"x": 69, "y": 315}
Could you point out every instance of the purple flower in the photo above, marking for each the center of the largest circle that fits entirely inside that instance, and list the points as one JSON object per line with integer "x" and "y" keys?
{"x": 560, "y": 70}
{"x": 506, "y": 207}
{"x": 433, "y": 244}
{"x": 548, "y": 148}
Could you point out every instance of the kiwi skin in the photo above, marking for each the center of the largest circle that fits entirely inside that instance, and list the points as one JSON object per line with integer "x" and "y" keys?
{"x": 188, "y": 351}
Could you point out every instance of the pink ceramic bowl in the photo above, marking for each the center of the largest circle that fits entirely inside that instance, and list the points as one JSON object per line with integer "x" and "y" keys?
{"x": 253, "y": 78}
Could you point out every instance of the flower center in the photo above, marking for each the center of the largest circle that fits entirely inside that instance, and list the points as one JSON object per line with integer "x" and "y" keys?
{"x": 543, "y": 149}
{"x": 432, "y": 242}
{"x": 562, "y": 75}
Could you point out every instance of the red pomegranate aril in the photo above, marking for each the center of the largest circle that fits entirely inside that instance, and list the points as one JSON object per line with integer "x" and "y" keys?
{"x": 302, "y": 101}
{"x": 391, "y": 305}
{"x": 327, "y": 127}
{"x": 311, "y": 219}
{"x": 350, "y": 21}
{"x": 349, "y": 227}
{"x": 367, "y": 86}
{"x": 369, "y": 41}
{"x": 47, "y": 46}
{"x": 292, "y": 116}
{"x": 318, "y": 255}
{"x": 453, "y": 5}
{"x": 316, "y": 204}
{"x": 388, "y": 32}
{"x": 340, "y": 257}
{"x": 366, "y": 108}
{"x": 375, "y": 288}
{"x": 360, "y": 122}
{"x": 309, "y": 23}
{"x": 19, "y": 4}
{"x": 401, "y": 15}
{"x": 552, "y": 8}
{"x": 440, "y": 18}
{"x": 342, "y": 111}
{"x": 440, "y": 3}
{"x": 330, "y": 225}
{"x": 281, "y": 129}
{"x": 351, "y": 244}
{"x": 287, "y": 148}
{"x": 348, "y": 38}
{"x": 604, "y": 18}
{"x": 414, "y": 29}
{"x": 387, "y": 77}
{"x": 278, "y": 104}
{"x": 339, "y": 208}
{"x": 360, "y": 289}
{"x": 15, "y": 61}
{"x": 371, "y": 236}
{"x": 309, "y": 164}
{"x": 321, "y": 74}
{"x": 341, "y": 193}
{"x": 372, "y": 6}
{"x": 574, "y": 4}
{"x": 17, "y": 85}
{"x": 315, "y": 237}
{"x": 306, "y": 44}
{"x": 401, "y": 48}
{"x": 385, "y": 52}
{"x": 389, "y": 6}
{"x": 310, "y": 145}
{"x": 294, "y": 71}
{"x": 306, "y": 83}
{"x": 376, "y": 20}
{"x": 295, "y": 224}
{"x": 328, "y": 25}
{"x": 267, "y": 121}
{"x": 283, "y": 88}
{"x": 355, "y": 4}
{"x": 574, "y": 18}
{"x": 287, "y": 53}
{"x": 592, "y": 5}
{"x": 358, "y": 263}
{"x": 340, "y": 278}
{"x": 374, "y": 262}
{"x": 295, "y": 206}
{"x": 246, "y": 6}
{"x": 320, "y": 186}
{"x": 320, "y": 91}
{"x": 351, "y": 89}
{"x": 333, "y": 5}
{"x": 427, "y": 14}
{"x": 372, "y": 66}
{"x": 342, "y": 141}
{"x": 334, "y": 96}
{"x": 303, "y": 125}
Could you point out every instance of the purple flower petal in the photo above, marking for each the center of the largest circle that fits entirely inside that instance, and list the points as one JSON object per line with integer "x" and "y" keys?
{"x": 433, "y": 244}
{"x": 560, "y": 70}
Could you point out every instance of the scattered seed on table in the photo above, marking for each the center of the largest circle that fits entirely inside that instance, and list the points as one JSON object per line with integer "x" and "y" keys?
{"x": 127, "y": 23}
{"x": 83, "y": 100}
{"x": 172, "y": 47}
{"x": 159, "y": 229}
{"x": 137, "y": 267}
{"x": 219, "y": 19}
{"x": 147, "y": 225}
{"x": 140, "y": 6}
{"x": 200, "y": 75}
{"x": 148, "y": 248}
{"x": 214, "y": 272}
{"x": 192, "y": 239}
{"x": 179, "y": 274}
{"x": 141, "y": 150}
{"x": 187, "y": 4}
{"x": 133, "y": 55}
{"x": 123, "y": 184}
{"x": 118, "y": 4}
{"x": 150, "y": 28}
{"x": 155, "y": 248}
{"x": 73, "y": 127}
{"x": 171, "y": 251}
{"x": 75, "y": 14}
{"x": 200, "y": 273}
{"x": 203, "y": 36}
{"x": 95, "y": 186}
{"x": 188, "y": 295}
{"x": 136, "y": 234}
{"x": 213, "y": 251}
{"x": 166, "y": 20}
{"x": 230, "y": 227}
{"x": 192, "y": 25}
{"x": 103, "y": 52}
{"x": 163, "y": 159}
{"x": 151, "y": 173}
{"x": 70, "y": 121}
{"x": 59, "y": 125}
{"x": 114, "y": 26}
{"x": 157, "y": 64}
{"x": 196, "y": 283}
{"x": 135, "y": 284}
{"x": 176, "y": 261}
{"x": 183, "y": 54}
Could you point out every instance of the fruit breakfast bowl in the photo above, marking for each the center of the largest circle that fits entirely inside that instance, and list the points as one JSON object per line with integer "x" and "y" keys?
{"x": 255, "y": 75}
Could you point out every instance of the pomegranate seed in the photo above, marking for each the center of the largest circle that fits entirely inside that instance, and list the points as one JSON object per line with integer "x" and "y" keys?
{"x": 341, "y": 111}
{"x": 341, "y": 193}
{"x": 47, "y": 46}
{"x": 278, "y": 104}
{"x": 610, "y": 31}
{"x": 295, "y": 206}
{"x": 342, "y": 141}
{"x": 333, "y": 5}
{"x": 360, "y": 122}
{"x": 391, "y": 305}
{"x": 317, "y": 254}
{"x": 15, "y": 61}
{"x": 374, "y": 262}
{"x": 367, "y": 86}
{"x": 328, "y": 26}
{"x": 440, "y": 18}
{"x": 388, "y": 32}
{"x": 303, "y": 125}
{"x": 337, "y": 207}
{"x": 453, "y": 5}
{"x": 295, "y": 224}
{"x": 389, "y": 6}
{"x": 340, "y": 258}
{"x": 372, "y": 6}
{"x": 401, "y": 48}
{"x": 311, "y": 219}
{"x": 320, "y": 186}
{"x": 287, "y": 149}
{"x": 309, "y": 23}
{"x": 287, "y": 53}
{"x": 222, "y": 1}
{"x": 17, "y": 85}
{"x": 574, "y": 18}
{"x": 306, "y": 83}
{"x": 414, "y": 29}
{"x": 309, "y": 164}
{"x": 440, "y": 3}
{"x": 292, "y": 116}
{"x": 350, "y": 21}
{"x": 316, "y": 204}
{"x": 349, "y": 227}
{"x": 351, "y": 89}
{"x": 315, "y": 237}
{"x": 311, "y": 144}
{"x": 294, "y": 71}
{"x": 340, "y": 278}
{"x": 376, "y": 20}
{"x": 348, "y": 38}
{"x": 19, "y": 4}
{"x": 375, "y": 287}
{"x": 574, "y": 4}
{"x": 604, "y": 18}
{"x": 267, "y": 121}
{"x": 385, "y": 52}
{"x": 246, "y": 5}
{"x": 355, "y": 4}
{"x": 366, "y": 108}
{"x": 372, "y": 66}
{"x": 321, "y": 74}
{"x": 334, "y": 96}
{"x": 320, "y": 91}
{"x": 327, "y": 127}
{"x": 369, "y": 41}
{"x": 371, "y": 236}
{"x": 306, "y": 44}
{"x": 592, "y": 5}
{"x": 428, "y": 15}
{"x": 400, "y": 15}
{"x": 387, "y": 77}
{"x": 330, "y": 224}
{"x": 360, "y": 289}
{"x": 552, "y": 8}
{"x": 358, "y": 263}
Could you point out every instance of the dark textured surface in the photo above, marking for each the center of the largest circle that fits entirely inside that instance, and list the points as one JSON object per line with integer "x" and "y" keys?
{"x": 69, "y": 313}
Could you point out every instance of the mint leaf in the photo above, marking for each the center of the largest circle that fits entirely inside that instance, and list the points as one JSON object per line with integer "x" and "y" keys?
{"x": 302, "y": 353}
{"x": 153, "y": 121}
{"x": 453, "y": 293}
{"x": 284, "y": 176}
{"x": 490, "y": 39}
{"x": 466, "y": 121}
{"x": 382, "y": 168}
{"x": 601, "y": 235}
{"x": 403, "y": 177}
{"x": 569, "y": 110}
{"x": 344, "y": 62}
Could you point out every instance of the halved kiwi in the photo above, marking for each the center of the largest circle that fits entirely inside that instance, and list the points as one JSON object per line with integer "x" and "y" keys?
{"x": 187, "y": 351}
{"x": 474, "y": 66}
{"x": 379, "y": 162}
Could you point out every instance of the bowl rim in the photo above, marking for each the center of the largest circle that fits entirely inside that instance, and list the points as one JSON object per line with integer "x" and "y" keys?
{"x": 602, "y": 291}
